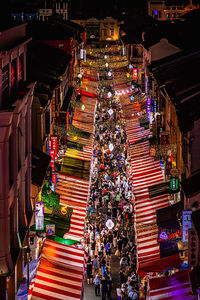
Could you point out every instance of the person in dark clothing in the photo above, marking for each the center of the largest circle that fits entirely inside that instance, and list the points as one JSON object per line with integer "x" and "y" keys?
{"x": 104, "y": 287}
{"x": 109, "y": 288}
{"x": 89, "y": 271}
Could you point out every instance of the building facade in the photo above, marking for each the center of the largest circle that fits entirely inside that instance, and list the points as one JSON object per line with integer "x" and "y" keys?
{"x": 162, "y": 10}
{"x": 100, "y": 30}
{"x": 15, "y": 156}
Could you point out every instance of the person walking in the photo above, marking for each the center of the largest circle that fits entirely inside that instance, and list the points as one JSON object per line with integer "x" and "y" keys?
{"x": 89, "y": 271}
{"x": 104, "y": 287}
{"x": 109, "y": 288}
{"x": 95, "y": 263}
{"x": 96, "y": 282}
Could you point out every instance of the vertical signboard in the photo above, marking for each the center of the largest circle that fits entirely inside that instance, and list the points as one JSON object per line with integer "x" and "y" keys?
{"x": 148, "y": 107}
{"x": 54, "y": 146}
{"x": 187, "y": 224}
{"x": 135, "y": 74}
{"x": 39, "y": 216}
{"x": 193, "y": 248}
{"x": 52, "y": 162}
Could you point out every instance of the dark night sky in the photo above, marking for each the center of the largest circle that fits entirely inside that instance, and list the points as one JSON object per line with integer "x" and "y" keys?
{"x": 99, "y": 8}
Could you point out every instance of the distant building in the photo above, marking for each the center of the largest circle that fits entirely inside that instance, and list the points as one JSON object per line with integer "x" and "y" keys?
{"x": 100, "y": 30}
{"x": 169, "y": 10}
{"x": 15, "y": 156}
{"x": 52, "y": 7}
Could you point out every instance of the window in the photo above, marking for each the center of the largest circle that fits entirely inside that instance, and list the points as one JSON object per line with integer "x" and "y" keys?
{"x": 112, "y": 32}
{"x": 5, "y": 81}
{"x": 105, "y": 32}
{"x": 14, "y": 74}
{"x": 21, "y": 67}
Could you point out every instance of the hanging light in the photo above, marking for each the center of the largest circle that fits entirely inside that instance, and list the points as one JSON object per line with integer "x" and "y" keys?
{"x": 109, "y": 74}
{"x": 105, "y": 56}
{"x": 110, "y": 111}
{"x": 83, "y": 107}
{"x": 111, "y": 147}
{"x": 106, "y": 65}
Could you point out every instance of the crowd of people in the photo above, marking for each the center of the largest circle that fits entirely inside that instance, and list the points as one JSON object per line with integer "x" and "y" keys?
{"x": 110, "y": 230}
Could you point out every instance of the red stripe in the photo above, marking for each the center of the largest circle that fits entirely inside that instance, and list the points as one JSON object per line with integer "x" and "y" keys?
{"x": 53, "y": 290}
{"x": 59, "y": 282}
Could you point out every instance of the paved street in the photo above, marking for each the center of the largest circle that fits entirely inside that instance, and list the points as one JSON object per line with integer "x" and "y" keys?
{"x": 89, "y": 289}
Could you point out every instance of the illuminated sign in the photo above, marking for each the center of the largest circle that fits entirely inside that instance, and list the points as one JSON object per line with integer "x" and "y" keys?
{"x": 174, "y": 186}
{"x": 54, "y": 146}
{"x": 52, "y": 162}
{"x": 39, "y": 216}
{"x": 187, "y": 224}
{"x": 135, "y": 74}
{"x": 148, "y": 107}
{"x": 50, "y": 229}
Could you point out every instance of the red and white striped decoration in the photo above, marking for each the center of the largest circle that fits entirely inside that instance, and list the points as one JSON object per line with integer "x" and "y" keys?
{"x": 60, "y": 274}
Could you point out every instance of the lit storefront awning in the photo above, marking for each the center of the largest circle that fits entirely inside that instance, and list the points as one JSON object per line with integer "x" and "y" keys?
{"x": 74, "y": 193}
{"x": 146, "y": 172}
{"x": 60, "y": 274}
{"x": 176, "y": 286}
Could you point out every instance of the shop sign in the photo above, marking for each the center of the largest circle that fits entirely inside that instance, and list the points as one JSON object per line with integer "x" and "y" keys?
{"x": 52, "y": 162}
{"x": 169, "y": 162}
{"x": 187, "y": 224}
{"x": 54, "y": 179}
{"x": 174, "y": 184}
{"x": 135, "y": 74}
{"x": 193, "y": 248}
{"x": 54, "y": 145}
{"x": 39, "y": 216}
{"x": 162, "y": 165}
{"x": 164, "y": 236}
{"x": 159, "y": 120}
{"x": 81, "y": 53}
{"x": 148, "y": 107}
{"x": 164, "y": 138}
{"x": 50, "y": 229}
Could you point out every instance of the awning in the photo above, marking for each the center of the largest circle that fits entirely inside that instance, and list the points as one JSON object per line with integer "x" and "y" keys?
{"x": 159, "y": 189}
{"x": 67, "y": 99}
{"x": 40, "y": 163}
{"x": 60, "y": 274}
{"x": 71, "y": 166}
{"x": 74, "y": 193}
{"x": 146, "y": 172}
{"x": 174, "y": 287}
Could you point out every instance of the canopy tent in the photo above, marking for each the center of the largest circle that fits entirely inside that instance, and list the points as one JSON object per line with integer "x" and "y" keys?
{"x": 60, "y": 274}
{"x": 146, "y": 172}
{"x": 74, "y": 192}
{"x": 174, "y": 287}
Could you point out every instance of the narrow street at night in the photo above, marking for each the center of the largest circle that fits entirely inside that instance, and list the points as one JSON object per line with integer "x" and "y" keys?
{"x": 99, "y": 150}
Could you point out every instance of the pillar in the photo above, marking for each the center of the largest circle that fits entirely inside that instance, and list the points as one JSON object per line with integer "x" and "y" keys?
{"x": 3, "y": 287}
{"x": 12, "y": 285}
